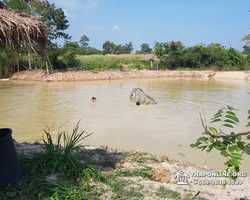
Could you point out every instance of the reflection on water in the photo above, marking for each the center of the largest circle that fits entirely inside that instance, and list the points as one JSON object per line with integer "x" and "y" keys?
{"x": 28, "y": 107}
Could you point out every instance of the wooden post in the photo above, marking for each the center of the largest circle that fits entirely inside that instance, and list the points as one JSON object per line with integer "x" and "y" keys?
{"x": 47, "y": 69}
{"x": 17, "y": 65}
{"x": 29, "y": 59}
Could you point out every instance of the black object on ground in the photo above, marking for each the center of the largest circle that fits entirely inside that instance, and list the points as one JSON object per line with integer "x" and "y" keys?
{"x": 10, "y": 169}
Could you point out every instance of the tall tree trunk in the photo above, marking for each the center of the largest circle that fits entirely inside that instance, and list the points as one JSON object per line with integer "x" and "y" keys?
{"x": 17, "y": 61}
{"x": 48, "y": 61}
{"x": 29, "y": 59}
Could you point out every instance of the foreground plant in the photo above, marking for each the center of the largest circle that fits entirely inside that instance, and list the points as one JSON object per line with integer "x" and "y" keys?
{"x": 71, "y": 178}
{"x": 66, "y": 143}
{"x": 232, "y": 146}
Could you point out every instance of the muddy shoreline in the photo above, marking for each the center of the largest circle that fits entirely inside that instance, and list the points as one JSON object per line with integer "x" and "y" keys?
{"x": 65, "y": 76}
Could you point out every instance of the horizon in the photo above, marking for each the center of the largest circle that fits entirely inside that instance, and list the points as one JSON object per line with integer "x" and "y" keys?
{"x": 193, "y": 22}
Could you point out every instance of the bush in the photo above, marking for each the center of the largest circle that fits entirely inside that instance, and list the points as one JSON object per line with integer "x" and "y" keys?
{"x": 235, "y": 59}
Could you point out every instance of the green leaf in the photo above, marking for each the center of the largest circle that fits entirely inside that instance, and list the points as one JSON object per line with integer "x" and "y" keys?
{"x": 248, "y": 137}
{"x": 203, "y": 147}
{"x": 234, "y": 149}
{"x": 236, "y": 156}
{"x": 211, "y": 146}
{"x": 208, "y": 150}
{"x": 230, "y": 121}
{"x": 248, "y": 124}
{"x": 241, "y": 145}
{"x": 211, "y": 139}
{"x": 217, "y": 116}
{"x": 224, "y": 153}
{"x": 196, "y": 145}
{"x": 249, "y": 111}
{"x": 221, "y": 147}
{"x": 214, "y": 131}
{"x": 230, "y": 108}
{"x": 202, "y": 139}
{"x": 239, "y": 138}
{"x": 216, "y": 120}
{"x": 231, "y": 113}
{"x": 228, "y": 125}
{"x": 232, "y": 117}
{"x": 248, "y": 117}
{"x": 205, "y": 133}
{"x": 235, "y": 162}
{"x": 247, "y": 149}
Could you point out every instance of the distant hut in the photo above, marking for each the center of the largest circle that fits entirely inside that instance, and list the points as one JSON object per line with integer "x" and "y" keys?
{"x": 152, "y": 58}
{"x": 19, "y": 28}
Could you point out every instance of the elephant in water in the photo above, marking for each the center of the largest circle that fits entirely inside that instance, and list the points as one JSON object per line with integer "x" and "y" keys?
{"x": 139, "y": 97}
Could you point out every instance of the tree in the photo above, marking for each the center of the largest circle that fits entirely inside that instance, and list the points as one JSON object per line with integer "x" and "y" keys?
{"x": 108, "y": 47}
{"x": 83, "y": 41}
{"x": 54, "y": 18}
{"x": 158, "y": 49}
{"x": 127, "y": 48}
{"x": 145, "y": 48}
{"x": 71, "y": 45}
{"x": 18, "y": 5}
{"x": 246, "y": 49}
{"x": 117, "y": 49}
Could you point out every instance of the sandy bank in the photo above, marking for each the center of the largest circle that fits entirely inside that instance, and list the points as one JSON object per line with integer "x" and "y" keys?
{"x": 40, "y": 75}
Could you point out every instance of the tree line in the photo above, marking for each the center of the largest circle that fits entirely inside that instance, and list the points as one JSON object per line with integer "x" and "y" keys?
{"x": 173, "y": 54}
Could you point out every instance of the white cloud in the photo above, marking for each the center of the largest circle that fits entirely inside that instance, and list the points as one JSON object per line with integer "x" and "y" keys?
{"x": 69, "y": 15}
{"x": 117, "y": 28}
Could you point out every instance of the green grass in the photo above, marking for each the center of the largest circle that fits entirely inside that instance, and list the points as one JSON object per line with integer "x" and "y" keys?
{"x": 111, "y": 62}
{"x": 142, "y": 172}
{"x": 124, "y": 59}
{"x": 60, "y": 157}
{"x": 123, "y": 190}
{"x": 163, "y": 192}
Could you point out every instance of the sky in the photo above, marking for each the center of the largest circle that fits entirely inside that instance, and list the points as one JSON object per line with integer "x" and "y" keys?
{"x": 145, "y": 21}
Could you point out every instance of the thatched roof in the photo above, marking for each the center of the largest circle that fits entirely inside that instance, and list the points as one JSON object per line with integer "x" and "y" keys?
{"x": 150, "y": 57}
{"x": 18, "y": 28}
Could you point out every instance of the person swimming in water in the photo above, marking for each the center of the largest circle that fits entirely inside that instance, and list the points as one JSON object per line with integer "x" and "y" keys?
{"x": 93, "y": 99}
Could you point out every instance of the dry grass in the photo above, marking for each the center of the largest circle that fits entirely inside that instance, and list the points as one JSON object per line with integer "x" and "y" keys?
{"x": 124, "y": 59}
{"x": 18, "y": 28}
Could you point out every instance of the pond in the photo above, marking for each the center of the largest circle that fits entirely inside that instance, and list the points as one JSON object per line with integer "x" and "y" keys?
{"x": 167, "y": 128}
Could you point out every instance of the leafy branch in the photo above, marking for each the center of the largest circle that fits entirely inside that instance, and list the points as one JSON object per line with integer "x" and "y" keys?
{"x": 232, "y": 146}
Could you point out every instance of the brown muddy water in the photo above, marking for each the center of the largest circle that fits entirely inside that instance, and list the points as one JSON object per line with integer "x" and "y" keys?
{"x": 167, "y": 128}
